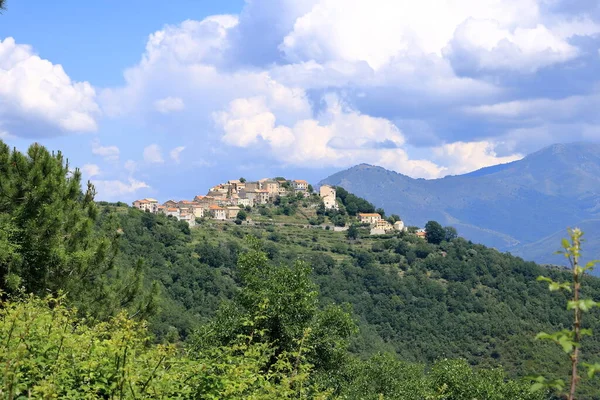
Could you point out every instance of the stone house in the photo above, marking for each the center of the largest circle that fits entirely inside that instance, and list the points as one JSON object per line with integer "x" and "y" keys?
{"x": 198, "y": 211}
{"x": 300, "y": 185}
{"x": 170, "y": 204}
{"x": 369, "y": 218}
{"x": 187, "y": 217}
{"x": 149, "y": 205}
{"x": 219, "y": 213}
{"x": 251, "y": 186}
{"x": 255, "y": 196}
{"x": 399, "y": 225}
{"x": 272, "y": 187}
{"x": 328, "y": 195}
{"x": 172, "y": 211}
{"x": 232, "y": 212}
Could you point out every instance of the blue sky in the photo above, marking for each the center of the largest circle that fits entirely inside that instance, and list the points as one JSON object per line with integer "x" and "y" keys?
{"x": 165, "y": 99}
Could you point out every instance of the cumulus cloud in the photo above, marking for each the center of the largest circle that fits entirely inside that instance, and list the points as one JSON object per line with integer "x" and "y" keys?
{"x": 485, "y": 45}
{"x": 175, "y": 153}
{"x": 461, "y": 157}
{"x": 340, "y": 137}
{"x": 115, "y": 189}
{"x": 169, "y": 104}
{"x": 320, "y": 82}
{"x": 37, "y": 97}
{"x": 90, "y": 170}
{"x": 109, "y": 153}
{"x": 153, "y": 154}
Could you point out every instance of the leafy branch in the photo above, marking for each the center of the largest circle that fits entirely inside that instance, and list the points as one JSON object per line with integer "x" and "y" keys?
{"x": 570, "y": 339}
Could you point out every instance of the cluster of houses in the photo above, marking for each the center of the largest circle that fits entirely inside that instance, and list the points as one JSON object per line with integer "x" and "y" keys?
{"x": 379, "y": 226}
{"x": 226, "y": 200}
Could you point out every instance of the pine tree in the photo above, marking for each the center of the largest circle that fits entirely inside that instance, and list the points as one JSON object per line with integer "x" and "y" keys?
{"x": 47, "y": 236}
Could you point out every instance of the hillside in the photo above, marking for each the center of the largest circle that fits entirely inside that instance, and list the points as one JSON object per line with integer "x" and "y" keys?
{"x": 420, "y": 301}
{"x": 274, "y": 304}
{"x": 508, "y": 207}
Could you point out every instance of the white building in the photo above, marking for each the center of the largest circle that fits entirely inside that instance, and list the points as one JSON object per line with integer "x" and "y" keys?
{"x": 399, "y": 226}
{"x": 328, "y": 195}
{"x": 219, "y": 213}
{"x": 369, "y": 218}
{"x": 150, "y": 205}
{"x": 300, "y": 185}
{"x": 187, "y": 217}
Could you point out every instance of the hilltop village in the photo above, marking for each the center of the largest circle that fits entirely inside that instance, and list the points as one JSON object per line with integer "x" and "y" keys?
{"x": 234, "y": 200}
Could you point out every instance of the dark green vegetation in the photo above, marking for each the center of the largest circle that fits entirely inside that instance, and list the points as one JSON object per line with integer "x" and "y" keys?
{"x": 506, "y": 206}
{"x": 297, "y": 312}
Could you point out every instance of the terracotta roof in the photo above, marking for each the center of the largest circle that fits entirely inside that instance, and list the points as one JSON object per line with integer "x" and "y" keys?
{"x": 186, "y": 202}
{"x": 213, "y": 207}
{"x": 369, "y": 215}
{"x": 300, "y": 181}
{"x": 172, "y": 209}
{"x": 142, "y": 201}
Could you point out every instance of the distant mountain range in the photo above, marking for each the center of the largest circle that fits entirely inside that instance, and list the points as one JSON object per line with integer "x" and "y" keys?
{"x": 523, "y": 207}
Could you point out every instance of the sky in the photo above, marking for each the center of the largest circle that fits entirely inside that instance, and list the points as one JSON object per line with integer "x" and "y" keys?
{"x": 165, "y": 99}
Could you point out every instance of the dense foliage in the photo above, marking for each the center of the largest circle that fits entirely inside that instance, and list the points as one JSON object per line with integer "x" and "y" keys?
{"x": 47, "y": 237}
{"x": 295, "y": 312}
{"x": 353, "y": 204}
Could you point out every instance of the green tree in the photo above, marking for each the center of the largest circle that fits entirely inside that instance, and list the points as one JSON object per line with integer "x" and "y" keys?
{"x": 47, "y": 227}
{"x": 282, "y": 302}
{"x": 242, "y": 215}
{"x": 310, "y": 188}
{"x": 242, "y": 180}
{"x": 450, "y": 233}
{"x": 393, "y": 218}
{"x": 434, "y": 232}
{"x": 352, "y": 232}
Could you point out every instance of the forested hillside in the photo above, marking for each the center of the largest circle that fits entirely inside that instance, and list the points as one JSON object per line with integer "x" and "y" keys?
{"x": 512, "y": 207}
{"x": 142, "y": 306}
{"x": 421, "y": 301}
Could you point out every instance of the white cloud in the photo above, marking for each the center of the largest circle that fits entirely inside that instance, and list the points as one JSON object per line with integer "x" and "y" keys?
{"x": 363, "y": 31}
{"x": 492, "y": 47}
{"x": 37, "y": 98}
{"x": 340, "y": 137}
{"x": 169, "y": 104}
{"x": 130, "y": 166}
{"x": 461, "y": 157}
{"x": 90, "y": 170}
{"x": 540, "y": 109}
{"x": 153, "y": 154}
{"x": 5, "y": 135}
{"x": 278, "y": 102}
{"x": 109, "y": 153}
{"x": 175, "y": 153}
{"x": 114, "y": 189}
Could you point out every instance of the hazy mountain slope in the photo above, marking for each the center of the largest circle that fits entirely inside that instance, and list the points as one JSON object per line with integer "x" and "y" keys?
{"x": 543, "y": 250}
{"x": 507, "y": 206}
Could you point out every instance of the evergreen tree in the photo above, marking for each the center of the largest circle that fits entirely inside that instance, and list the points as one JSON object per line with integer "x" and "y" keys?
{"x": 47, "y": 234}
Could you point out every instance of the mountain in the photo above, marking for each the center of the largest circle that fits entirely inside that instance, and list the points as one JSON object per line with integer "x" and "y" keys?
{"x": 523, "y": 207}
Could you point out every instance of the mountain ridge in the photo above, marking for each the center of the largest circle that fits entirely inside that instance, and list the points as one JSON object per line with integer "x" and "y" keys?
{"x": 507, "y": 206}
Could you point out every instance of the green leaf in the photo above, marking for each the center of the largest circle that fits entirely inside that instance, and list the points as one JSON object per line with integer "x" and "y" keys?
{"x": 593, "y": 369}
{"x": 583, "y": 305}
